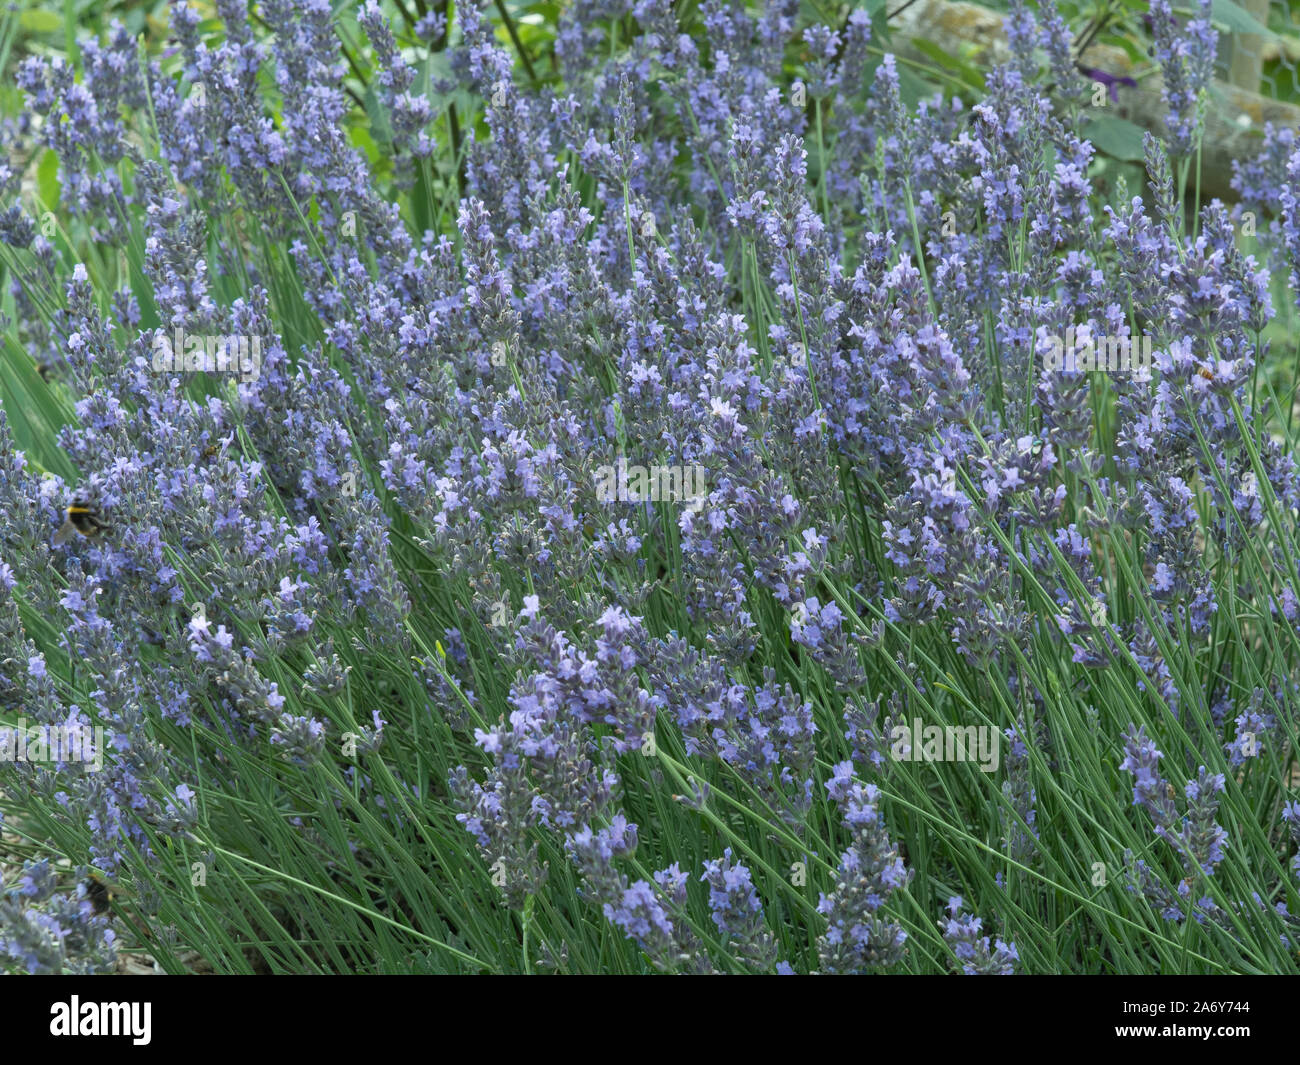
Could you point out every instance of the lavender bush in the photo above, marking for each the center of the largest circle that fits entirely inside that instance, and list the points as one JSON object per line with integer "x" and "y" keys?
{"x": 604, "y": 496}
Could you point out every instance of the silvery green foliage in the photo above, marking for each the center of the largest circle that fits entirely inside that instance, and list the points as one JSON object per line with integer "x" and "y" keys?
{"x": 647, "y": 263}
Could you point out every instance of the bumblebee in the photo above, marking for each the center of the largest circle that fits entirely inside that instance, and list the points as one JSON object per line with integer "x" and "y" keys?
{"x": 99, "y": 892}
{"x": 82, "y": 517}
{"x": 10, "y": 693}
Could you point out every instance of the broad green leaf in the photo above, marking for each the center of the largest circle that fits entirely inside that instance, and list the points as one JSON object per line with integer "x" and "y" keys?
{"x": 40, "y": 21}
{"x": 1137, "y": 54}
{"x": 47, "y": 180}
{"x": 1238, "y": 19}
{"x": 380, "y": 129}
{"x": 912, "y": 87}
{"x": 964, "y": 71}
{"x": 1117, "y": 137}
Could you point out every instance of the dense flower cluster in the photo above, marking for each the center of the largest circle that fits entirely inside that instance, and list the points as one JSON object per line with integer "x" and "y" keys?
{"x": 45, "y": 930}
{"x": 961, "y": 931}
{"x": 831, "y": 303}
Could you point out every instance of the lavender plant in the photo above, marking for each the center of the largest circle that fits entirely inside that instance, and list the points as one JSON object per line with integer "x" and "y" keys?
{"x": 632, "y": 512}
